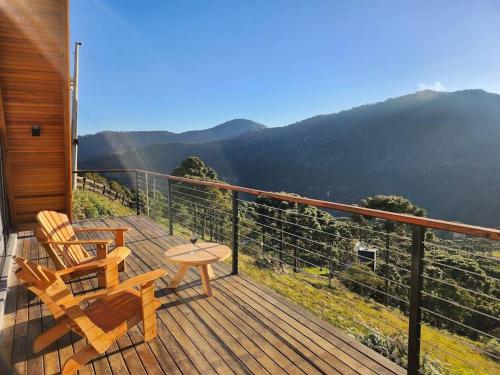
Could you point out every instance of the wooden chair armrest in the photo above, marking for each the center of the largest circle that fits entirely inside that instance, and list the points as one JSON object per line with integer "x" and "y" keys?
{"x": 90, "y": 265}
{"x": 104, "y": 229}
{"x": 78, "y": 242}
{"x": 118, "y": 231}
{"x": 143, "y": 279}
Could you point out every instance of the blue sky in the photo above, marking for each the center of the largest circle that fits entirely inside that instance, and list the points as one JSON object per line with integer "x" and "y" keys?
{"x": 181, "y": 65}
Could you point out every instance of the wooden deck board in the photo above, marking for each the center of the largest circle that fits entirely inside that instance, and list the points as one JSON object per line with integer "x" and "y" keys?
{"x": 244, "y": 328}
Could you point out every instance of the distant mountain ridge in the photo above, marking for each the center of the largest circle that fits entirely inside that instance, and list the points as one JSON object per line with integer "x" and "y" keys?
{"x": 109, "y": 142}
{"x": 438, "y": 149}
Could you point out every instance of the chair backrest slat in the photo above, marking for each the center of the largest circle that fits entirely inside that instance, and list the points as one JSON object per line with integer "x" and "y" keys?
{"x": 56, "y": 226}
{"x": 32, "y": 274}
{"x": 39, "y": 279}
{"x": 55, "y": 253}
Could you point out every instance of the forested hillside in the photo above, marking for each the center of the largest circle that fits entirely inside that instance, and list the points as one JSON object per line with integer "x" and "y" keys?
{"x": 440, "y": 150}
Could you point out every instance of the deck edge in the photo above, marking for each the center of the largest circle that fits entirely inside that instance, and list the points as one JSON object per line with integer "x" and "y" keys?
{"x": 6, "y": 262}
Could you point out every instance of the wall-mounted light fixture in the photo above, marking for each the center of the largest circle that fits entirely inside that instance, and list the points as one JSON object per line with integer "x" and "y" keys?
{"x": 36, "y": 131}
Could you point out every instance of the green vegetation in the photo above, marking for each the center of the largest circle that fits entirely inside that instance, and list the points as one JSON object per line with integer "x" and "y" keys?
{"x": 113, "y": 185}
{"x": 194, "y": 167}
{"x": 89, "y": 205}
{"x": 392, "y": 203}
{"x": 203, "y": 210}
{"x": 461, "y": 279}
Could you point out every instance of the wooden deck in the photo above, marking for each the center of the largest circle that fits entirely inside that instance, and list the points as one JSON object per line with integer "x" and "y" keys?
{"x": 244, "y": 328}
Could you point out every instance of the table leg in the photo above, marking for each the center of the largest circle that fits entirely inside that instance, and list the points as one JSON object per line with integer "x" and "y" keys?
{"x": 178, "y": 276}
{"x": 205, "y": 279}
{"x": 210, "y": 271}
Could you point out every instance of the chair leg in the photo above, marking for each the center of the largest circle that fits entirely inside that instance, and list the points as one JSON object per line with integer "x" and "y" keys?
{"x": 80, "y": 359}
{"x": 148, "y": 311}
{"x": 121, "y": 266}
{"x": 111, "y": 276}
{"x": 108, "y": 277}
{"x": 101, "y": 279}
{"x": 51, "y": 335}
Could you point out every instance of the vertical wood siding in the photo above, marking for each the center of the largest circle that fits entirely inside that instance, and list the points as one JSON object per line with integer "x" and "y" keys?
{"x": 34, "y": 84}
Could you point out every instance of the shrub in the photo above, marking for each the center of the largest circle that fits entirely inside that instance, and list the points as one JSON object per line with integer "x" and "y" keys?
{"x": 266, "y": 262}
{"x": 362, "y": 280}
{"x": 91, "y": 212}
{"x": 395, "y": 348}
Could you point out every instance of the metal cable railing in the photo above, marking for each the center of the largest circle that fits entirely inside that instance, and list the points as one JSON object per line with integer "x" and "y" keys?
{"x": 467, "y": 253}
{"x": 433, "y": 281}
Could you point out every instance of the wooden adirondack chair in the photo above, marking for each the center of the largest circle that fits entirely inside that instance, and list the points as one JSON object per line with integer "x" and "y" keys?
{"x": 110, "y": 315}
{"x": 58, "y": 237}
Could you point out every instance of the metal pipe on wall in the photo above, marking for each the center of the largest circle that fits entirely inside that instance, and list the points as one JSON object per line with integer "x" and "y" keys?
{"x": 74, "y": 113}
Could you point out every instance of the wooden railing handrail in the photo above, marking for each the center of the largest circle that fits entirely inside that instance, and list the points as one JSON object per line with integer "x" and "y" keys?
{"x": 490, "y": 233}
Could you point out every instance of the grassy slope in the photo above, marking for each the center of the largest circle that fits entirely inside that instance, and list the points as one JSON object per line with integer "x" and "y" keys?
{"x": 334, "y": 304}
{"x": 351, "y": 312}
{"x": 88, "y": 205}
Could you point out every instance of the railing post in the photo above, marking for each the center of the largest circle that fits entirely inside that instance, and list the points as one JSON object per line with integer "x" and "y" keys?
{"x": 295, "y": 256}
{"x": 330, "y": 266}
{"x": 235, "y": 233}
{"x": 203, "y": 222}
{"x": 282, "y": 247}
{"x": 170, "y": 215}
{"x": 195, "y": 218}
{"x": 147, "y": 193}
{"x": 262, "y": 241}
{"x": 416, "y": 281}
{"x": 386, "y": 270}
{"x": 137, "y": 208}
{"x": 212, "y": 213}
{"x": 154, "y": 190}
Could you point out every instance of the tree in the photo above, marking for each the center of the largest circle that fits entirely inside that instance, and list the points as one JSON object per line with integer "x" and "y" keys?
{"x": 362, "y": 280}
{"x": 391, "y": 266}
{"x": 296, "y": 233}
{"x": 194, "y": 167}
{"x": 391, "y": 203}
{"x": 201, "y": 208}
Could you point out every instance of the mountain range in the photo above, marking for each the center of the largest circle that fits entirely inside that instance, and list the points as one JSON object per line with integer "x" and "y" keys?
{"x": 438, "y": 149}
{"x": 109, "y": 142}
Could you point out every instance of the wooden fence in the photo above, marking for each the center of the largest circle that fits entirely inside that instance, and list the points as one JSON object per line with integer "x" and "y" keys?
{"x": 84, "y": 183}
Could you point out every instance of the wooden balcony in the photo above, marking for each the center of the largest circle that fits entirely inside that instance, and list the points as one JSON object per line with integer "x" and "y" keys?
{"x": 244, "y": 328}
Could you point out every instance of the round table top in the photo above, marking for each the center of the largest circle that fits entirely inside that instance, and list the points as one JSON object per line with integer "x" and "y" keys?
{"x": 198, "y": 253}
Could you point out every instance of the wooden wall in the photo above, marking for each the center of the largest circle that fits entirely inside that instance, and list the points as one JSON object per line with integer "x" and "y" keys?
{"x": 34, "y": 90}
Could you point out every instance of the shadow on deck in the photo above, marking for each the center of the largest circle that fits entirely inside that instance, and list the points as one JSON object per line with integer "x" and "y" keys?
{"x": 244, "y": 328}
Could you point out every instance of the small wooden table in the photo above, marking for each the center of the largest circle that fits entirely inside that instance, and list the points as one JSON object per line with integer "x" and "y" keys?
{"x": 200, "y": 255}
